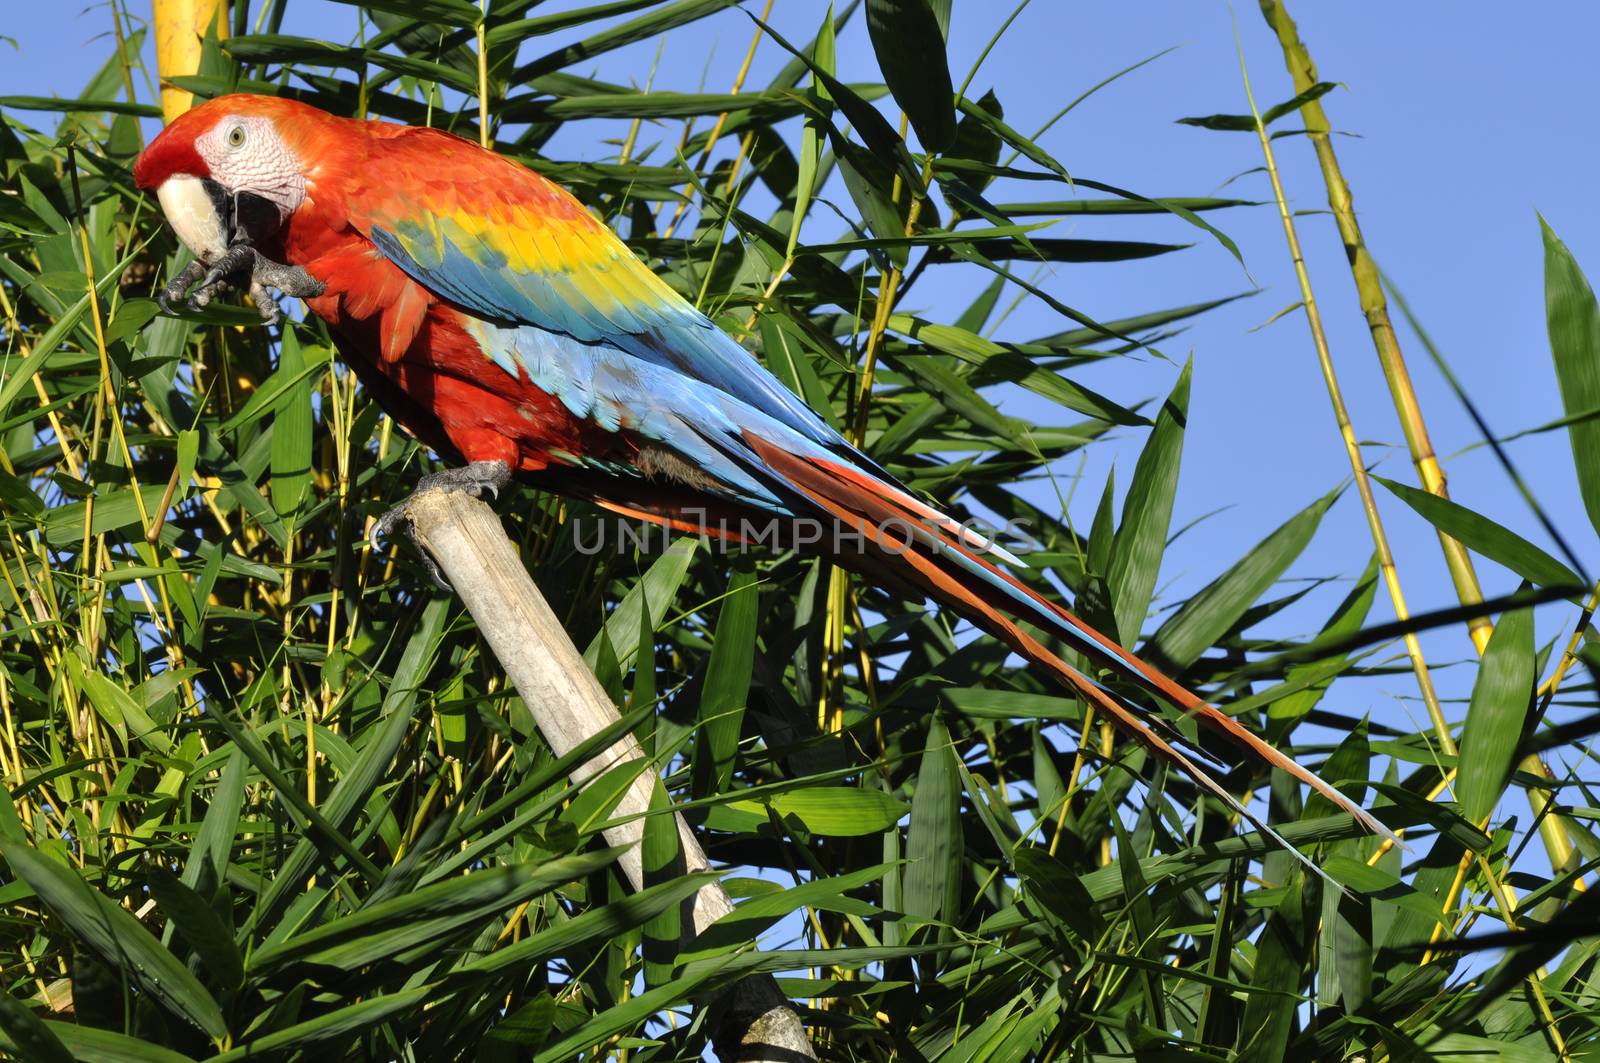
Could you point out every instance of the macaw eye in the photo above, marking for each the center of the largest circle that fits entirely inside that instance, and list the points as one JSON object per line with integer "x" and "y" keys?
{"x": 236, "y": 137}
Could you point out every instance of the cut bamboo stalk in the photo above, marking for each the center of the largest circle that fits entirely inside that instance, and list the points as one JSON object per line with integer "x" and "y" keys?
{"x": 752, "y": 1021}
{"x": 1374, "y": 305}
{"x": 181, "y": 27}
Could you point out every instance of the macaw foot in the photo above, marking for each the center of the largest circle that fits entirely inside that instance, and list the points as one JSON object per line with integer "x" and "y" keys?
{"x": 240, "y": 259}
{"x": 476, "y": 479}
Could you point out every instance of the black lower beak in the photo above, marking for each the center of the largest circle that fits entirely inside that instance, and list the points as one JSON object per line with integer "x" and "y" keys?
{"x": 253, "y": 220}
{"x": 246, "y": 218}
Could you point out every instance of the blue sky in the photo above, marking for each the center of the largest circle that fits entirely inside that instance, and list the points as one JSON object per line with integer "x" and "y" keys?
{"x": 1455, "y": 131}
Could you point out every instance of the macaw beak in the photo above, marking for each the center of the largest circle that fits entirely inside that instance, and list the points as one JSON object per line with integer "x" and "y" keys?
{"x": 209, "y": 219}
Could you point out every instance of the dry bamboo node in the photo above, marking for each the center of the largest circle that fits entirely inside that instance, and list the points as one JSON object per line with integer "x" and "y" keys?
{"x": 752, "y": 1021}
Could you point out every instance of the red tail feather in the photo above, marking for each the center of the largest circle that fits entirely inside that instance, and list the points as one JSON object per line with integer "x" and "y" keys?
{"x": 977, "y": 589}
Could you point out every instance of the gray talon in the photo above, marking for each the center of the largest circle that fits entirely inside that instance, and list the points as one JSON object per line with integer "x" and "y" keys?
{"x": 261, "y": 273}
{"x": 180, "y": 284}
{"x": 271, "y": 313}
{"x": 475, "y": 479}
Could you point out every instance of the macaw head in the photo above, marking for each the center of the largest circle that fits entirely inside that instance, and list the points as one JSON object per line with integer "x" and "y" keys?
{"x": 229, "y": 171}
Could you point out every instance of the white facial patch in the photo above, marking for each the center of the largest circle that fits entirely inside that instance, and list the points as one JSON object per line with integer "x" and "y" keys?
{"x": 193, "y": 217}
{"x": 245, "y": 154}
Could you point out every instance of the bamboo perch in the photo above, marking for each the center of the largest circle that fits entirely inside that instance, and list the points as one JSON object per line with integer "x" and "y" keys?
{"x": 1369, "y": 288}
{"x": 753, "y": 1022}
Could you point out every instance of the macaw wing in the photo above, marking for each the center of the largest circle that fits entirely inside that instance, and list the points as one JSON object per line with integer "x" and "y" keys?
{"x": 505, "y": 244}
{"x": 653, "y": 406}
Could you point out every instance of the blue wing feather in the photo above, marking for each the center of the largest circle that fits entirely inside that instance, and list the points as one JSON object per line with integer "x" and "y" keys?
{"x": 674, "y": 337}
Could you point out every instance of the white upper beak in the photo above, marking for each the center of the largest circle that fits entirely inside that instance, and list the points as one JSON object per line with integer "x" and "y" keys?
{"x": 193, "y": 216}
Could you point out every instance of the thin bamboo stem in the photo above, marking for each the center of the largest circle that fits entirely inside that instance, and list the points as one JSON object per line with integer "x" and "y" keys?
{"x": 1341, "y": 413}
{"x": 1375, "y": 307}
{"x": 722, "y": 119}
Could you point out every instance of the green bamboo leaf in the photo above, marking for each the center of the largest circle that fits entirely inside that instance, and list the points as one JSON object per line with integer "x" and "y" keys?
{"x": 79, "y": 106}
{"x": 89, "y": 1044}
{"x": 213, "y": 842}
{"x": 382, "y": 741}
{"x": 1306, "y": 682}
{"x": 338, "y": 1023}
{"x": 874, "y": 130}
{"x": 116, "y": 936}
{"x": 1484, "y": 536}
{"x": 645, "y": 27}
{"x": 1154, "y": 205}
{"x": 1209, "y": 615}
{"x": 978, "y": 141}
{"x": 424, "y": 915}
{"x": 520, "y": 29}
{"x": 590, "y": 930}
{"x": 113, "y": 702}
{"x": 932, "y": 880}
{"x": 1001, "y": 362}
{"x": 910, "y": 47}
{"x": 200, "y": 926}
{"x": 752, "y": 917}
{"x": 1356, "y": 874}
{"x": 1279, "y": 957}
{"x": 727, "y": 684}
{"x": 956, "y": 395}
{"x": 1443, "y": 816}
{"x": 445, "y": 12}
{"x": 840, "y": 812}
{"x": 280, "y": 48}
{"x": 19, "y": 375}
{"x": 1058, "y": 891}
{"x": 1347, "y": 941}
{"x": 15, "y": 493}
{"x": 663, "y": 862}
{"x": 114, "y": 511}
{"x": 29, "y": 1036}
{"x": 651, "y": 596}
{"x": 1573, "y": 319}
{"x": 1138, "y": 323}
{"x": 626, "y": 1015}
{"x": 812, "y": 135}
{"x": 1502, "y": 696}
{"x": 1246, "y": 123}
{"x": 275, "y": 389}
{"x": 291, "y": 430}
{"x": 528, "y": 1025}
{"x": 869, "y": 185}
{"x": 1147, "y": 514}
{"x": 601, "y": 794}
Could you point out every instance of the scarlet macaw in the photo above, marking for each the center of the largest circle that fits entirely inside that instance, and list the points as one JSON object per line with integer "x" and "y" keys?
{"x": 502, "y": 324}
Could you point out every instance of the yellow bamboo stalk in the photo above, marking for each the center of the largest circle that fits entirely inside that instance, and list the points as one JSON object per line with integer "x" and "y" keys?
{"x": 1369, "y": 289}
{"x": 181, "y": 26}
{"x": 484, "y": 139}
